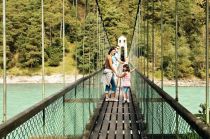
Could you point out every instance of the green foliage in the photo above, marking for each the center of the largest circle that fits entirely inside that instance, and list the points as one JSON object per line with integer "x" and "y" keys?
{"x": 190, "y": 36}
{"x": 87, "y": 62}
{"x": 119, "y": 18}
{"x": 24, "y": 33}
{"x": 55, "y": 55}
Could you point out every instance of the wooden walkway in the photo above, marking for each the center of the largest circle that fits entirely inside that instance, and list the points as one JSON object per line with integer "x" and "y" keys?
{"x": 116, "y": 120}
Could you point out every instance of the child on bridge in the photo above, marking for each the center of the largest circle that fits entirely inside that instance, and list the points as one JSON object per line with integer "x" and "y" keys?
{"x": 126, "y": 82}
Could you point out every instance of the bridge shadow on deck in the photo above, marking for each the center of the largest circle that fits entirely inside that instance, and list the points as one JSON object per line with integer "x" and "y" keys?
{"x": 117, "y": 120}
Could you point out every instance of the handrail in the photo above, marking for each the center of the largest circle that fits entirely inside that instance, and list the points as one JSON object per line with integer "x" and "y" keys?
{"x": 19, "y": 119}
{"x": 200, "y": 127}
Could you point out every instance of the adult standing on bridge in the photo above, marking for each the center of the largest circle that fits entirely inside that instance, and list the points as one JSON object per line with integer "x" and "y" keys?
{"x": 108, "y": 76}
{"x": 116, "y": 61}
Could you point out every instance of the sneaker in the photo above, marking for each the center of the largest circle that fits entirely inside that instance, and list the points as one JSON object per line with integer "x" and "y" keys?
{"x": 107, "y": 99}
{"x": 124, "y": 101}
{"x": 128, "y": 100}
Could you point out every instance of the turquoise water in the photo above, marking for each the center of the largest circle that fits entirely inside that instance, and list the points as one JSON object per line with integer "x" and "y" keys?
{"x": 189, "y": 97}
{"x": 22, "y": 96}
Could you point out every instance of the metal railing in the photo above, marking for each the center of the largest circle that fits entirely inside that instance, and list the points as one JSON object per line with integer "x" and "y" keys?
{"x": 164, "y": 117}
{"x": 62, "y": 115}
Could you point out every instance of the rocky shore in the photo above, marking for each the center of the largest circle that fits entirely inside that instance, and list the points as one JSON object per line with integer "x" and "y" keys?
{"x": 58, "y": 78}
{"x": 186, "y": 82}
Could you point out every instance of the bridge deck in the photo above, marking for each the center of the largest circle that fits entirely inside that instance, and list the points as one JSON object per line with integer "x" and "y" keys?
{"x": 116, "y": 120}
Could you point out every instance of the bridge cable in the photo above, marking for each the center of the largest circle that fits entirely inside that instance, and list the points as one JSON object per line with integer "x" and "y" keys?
{"x": 138, "y": 10}
{"x": 140, "y": 47}
{"x": 207, "y": 62}
{"x": 139, "y": 39}
{"x": 64, "y": 82}
{"x": 176, "y": 63}
{"x": 98, "y": 36}
{"x": 107, "y": 38}
{"x": 161, "y": 44}
{"x": 153, "y": 42}
{"x": 144, "y": 44}
{"x": 4, "y": 64}
{"x": 147, "y": 41}
{"x": 133, "y": 39}
{"x": 153, "y": 62}
{"x": 76, "y": 63}
{"x": 176, "y": 51}
{"x": 43, "y": 62}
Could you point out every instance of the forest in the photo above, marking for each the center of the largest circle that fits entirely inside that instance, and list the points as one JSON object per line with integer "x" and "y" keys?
{"x": 83, "y": 26}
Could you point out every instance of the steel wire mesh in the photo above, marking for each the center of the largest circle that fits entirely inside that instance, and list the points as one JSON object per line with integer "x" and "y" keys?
{"x": 161, "y": 118}
{"x": 64, "y": 117}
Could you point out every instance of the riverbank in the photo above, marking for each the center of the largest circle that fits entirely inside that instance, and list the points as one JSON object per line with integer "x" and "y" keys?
{"x": 57, "y": 78}
{"x": 182, "y": 82}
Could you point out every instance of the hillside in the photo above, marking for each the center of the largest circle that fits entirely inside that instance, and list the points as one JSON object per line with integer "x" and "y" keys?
{"x": 24, "y": 35}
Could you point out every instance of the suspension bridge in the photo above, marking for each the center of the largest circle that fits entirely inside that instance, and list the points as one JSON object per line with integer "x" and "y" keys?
{"x": 79, "y": 110}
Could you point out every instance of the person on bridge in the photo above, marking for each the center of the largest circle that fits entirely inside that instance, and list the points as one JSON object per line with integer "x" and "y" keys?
{"x": 116, "y": 62}
{"x": 126, "y": 82}
{"x": 108, "y": 76}
{"x": 116, "y": 59}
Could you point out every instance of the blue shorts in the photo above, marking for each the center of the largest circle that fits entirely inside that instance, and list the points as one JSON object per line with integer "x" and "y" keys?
{"x": 126, "y": 89}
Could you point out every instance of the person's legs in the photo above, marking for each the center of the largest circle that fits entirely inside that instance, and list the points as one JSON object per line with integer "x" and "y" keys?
{"x": 113, "y": 88}
{"x": 124, "y": 94}
{"x": 107, "y": 89}
{"x": 127, "y": 94}
{"x": 126, "y": 90}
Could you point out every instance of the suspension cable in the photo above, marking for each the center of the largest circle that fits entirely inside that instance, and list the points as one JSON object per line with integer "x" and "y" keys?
{"x": 75, "y": 70}
{"x": 176, "y": 47}
{"x": 97, "y": 31}
{"x": 161, "y": 42}
{"x": 176, "y": 62}
{"x": 83, "y": 57}
{"x": 139, "y": 34}
{"x": 134, "y": 27}
{"x": 144, "y": 45}
{"x": 207, "y": 62}
{"x": 99, "y": 37}
{"x": 4, "y": 64}
{"x": 64, "y": 79}
{"x": 64, "y": 82}
{"x": 147, "y": 41}
{"x": 153, "y": 62}
{"x": 103, "y": 22}
{"x": 43, "y": 63}
{"x": 153, "y": 42}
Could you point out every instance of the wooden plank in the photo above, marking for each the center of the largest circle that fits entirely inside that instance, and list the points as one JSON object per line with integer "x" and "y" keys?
{"x": 106, "y": 120}
{"x": 99, "y": 123}
{"x": 126, "y": 122}
{"x": 134, "y": 126}
{"x": 120, "y": 120}
{"x": 113, "y": 121}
